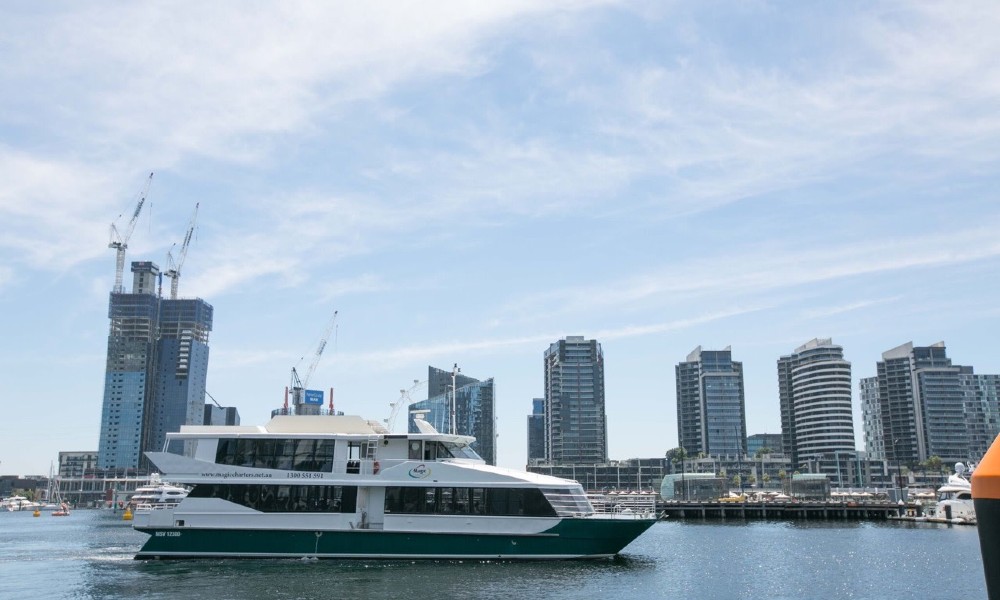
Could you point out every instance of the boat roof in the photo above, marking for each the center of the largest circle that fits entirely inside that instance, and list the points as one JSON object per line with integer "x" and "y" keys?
{"x": 535, "y": 478}
{"x": 311, "y": 425}
{"x": 349, "y": 424}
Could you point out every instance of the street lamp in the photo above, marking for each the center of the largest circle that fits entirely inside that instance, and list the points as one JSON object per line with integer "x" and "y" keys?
{"x": 899, "y": 471}
{"x": 454, "y": 392}
{"x": 739, "y": 457}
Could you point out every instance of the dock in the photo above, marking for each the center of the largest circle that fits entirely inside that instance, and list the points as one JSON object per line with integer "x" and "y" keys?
{"x": 823, "y": 511}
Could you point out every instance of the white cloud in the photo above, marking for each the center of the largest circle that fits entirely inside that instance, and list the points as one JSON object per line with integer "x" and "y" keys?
{"x": 766, "y": 269}
{"x": 828, "y": 311}
{"x": 429, "y": 352}
{"x": 363, "y": 284}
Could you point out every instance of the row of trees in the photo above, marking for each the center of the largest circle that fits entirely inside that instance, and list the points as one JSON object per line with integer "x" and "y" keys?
{"x": 679, "y": 456}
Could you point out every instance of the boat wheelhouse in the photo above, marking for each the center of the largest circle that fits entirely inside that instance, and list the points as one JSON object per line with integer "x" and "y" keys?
{"x": 344, "y": 487}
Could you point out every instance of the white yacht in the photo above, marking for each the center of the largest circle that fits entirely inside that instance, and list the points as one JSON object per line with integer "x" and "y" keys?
{"x": 18, "y": 503}
{"x": 344, "y": 487}
{"x": 955, "y": 499}
{"x": 156, "y": 494}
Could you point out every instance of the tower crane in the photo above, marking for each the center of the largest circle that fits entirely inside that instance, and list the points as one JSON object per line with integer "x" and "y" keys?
{"x": 320, "y": 348}
{"x": 119, "y": 241}
{"x": 174, "y": 268}
{"x": 298, "y": 384}
{"x": 405, "y": 399}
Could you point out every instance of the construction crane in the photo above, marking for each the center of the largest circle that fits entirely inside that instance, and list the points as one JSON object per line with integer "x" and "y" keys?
{"x": 320, "y": 348}
{"x": 298, "y": 384}
{"x": 174, "y": 268}
{"x": 405, "y": 399}
{"x": 119, "y": 242}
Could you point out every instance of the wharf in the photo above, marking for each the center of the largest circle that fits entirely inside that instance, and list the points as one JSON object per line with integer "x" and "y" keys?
{"x": 783, "y": 510}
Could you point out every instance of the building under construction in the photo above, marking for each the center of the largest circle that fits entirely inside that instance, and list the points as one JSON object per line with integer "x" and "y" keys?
{"x": 156, "y": 370}
{"x": 157, "y": 362}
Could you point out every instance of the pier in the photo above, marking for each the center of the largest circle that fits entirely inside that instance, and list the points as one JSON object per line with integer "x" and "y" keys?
{"x": 824, "y": 511}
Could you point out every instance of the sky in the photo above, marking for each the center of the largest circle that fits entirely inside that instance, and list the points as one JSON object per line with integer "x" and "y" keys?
{"x": 467, "y": 183}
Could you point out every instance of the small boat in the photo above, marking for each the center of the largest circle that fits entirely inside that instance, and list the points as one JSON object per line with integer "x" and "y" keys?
{"x": 62, "y": 511}
{"x": 318, "y": 486}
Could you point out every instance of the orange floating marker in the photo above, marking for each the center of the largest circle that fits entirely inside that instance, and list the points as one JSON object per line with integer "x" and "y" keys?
{"x": 986, "y": 498}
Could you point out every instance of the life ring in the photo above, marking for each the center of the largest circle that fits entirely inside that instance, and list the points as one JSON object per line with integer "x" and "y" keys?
{"x": 375, "y": 468}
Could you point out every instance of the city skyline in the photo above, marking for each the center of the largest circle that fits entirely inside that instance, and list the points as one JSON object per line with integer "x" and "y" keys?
{"x": 466, "y": 183}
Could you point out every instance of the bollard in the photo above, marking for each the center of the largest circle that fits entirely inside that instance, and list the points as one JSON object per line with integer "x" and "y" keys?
{"x": 986, "y": 498}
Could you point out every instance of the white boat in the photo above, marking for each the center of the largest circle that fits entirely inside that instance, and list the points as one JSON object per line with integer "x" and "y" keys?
{"x": 18, "y": 503}
{"x": 344, "y": 487}
{"x": 156, "y": 494}
{"x": 954, "y": 503}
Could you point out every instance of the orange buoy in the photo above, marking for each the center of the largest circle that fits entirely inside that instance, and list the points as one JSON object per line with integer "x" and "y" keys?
{"x": 127, "y": 515}
{"x": 986, "y": 498}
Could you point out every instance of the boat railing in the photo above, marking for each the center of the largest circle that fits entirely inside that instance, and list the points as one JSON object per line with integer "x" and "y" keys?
{"x": 147, "y": 507}
{"x": 637, "y": 506}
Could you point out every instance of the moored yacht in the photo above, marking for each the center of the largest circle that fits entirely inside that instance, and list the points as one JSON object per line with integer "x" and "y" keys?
{"x": 344, "y": 487}
{"x": 955, "y": 499}
{"x": 19, "y": 503}
{"x": 156, "y": 494}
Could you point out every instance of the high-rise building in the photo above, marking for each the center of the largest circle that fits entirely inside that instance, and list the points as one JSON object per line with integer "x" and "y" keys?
{"x": 982, "y": 410}
{"x": 929, "y": 407}
{"x": 221, "y": 415}
{"x": 181, "y": 367}
{"x": 814, "y": 392}
{"x": 576, "y": 430}
{"x": 871, "y": 413}
{"x": 439, "y": 381}
{"x": 536, "y": 431}
{"x": 711, "y": 407}
{"x": 764, "y": 441}
{"x": 156, "y": 370}
{"x": 474, "y": 405}
{"x": 127, "y": 381}
{"x": 77, "y": 464}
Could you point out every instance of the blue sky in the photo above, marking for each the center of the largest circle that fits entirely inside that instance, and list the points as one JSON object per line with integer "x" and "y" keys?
{"x": 469, "y": 182}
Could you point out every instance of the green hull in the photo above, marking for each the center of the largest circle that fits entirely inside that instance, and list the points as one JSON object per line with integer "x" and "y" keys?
{"x": 571, "y": 538}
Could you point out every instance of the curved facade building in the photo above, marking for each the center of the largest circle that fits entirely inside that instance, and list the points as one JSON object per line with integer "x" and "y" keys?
{"x": 815, "y": 394}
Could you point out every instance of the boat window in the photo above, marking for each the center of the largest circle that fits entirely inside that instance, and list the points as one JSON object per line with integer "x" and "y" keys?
{"x": 460, "y": 451}
{"x": 283, "y": 498}
{"x": 244, "y": 452}
{"x": 289, "y": 455}
{"x": 305, "y": 453}
{"x": 526, "y": 502}
{"x": 415, "y": 448}
{"x": 358, "y": 450}
{"x": 432, "y": 450}
{"x": 568, "y": 501}
{"x": 439, "y": 450}
{"x": 225, "y": 452}
{"x": 263, "y": 454}
{"x": 284, "y": 454}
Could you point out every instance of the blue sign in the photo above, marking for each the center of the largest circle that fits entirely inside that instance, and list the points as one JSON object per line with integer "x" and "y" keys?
{"x": 314, "y": 397}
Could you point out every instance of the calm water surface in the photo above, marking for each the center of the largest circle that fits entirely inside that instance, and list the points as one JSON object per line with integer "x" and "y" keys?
{"x": 89, "y": 555}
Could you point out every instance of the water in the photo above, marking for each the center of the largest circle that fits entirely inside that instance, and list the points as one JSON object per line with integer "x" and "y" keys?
{"x": 89, "y": 556}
